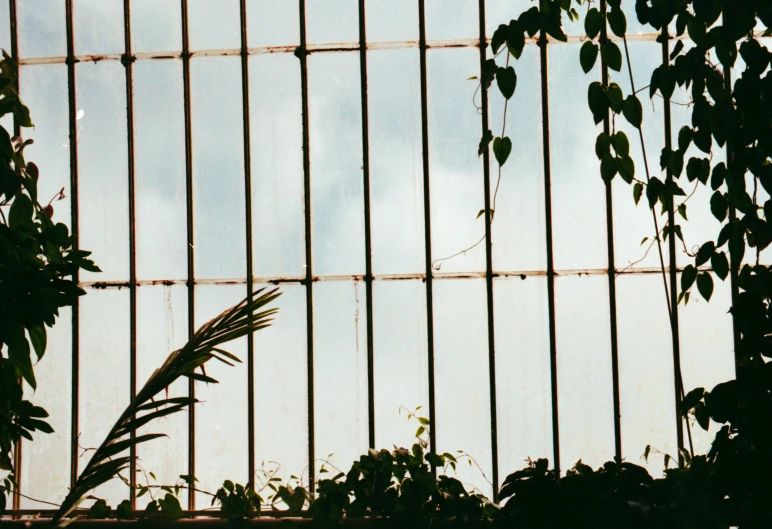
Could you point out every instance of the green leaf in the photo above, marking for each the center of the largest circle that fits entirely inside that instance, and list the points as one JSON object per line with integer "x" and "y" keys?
{"x": 506, "y": 78}
{"x": 691, "y": 399}
{"x": 704, "y": 253}
{"x": 37, "y": 335}
{"x": 615, "y": 97}
{"x": 705, "y": 285}
{"x": 687, "y": 277}
{"x": 637, "y": 191}
{"x": 685, "y": 136}
{"x": 698, "y": 169}
{"x": 702, "y": 415}
{"x": 720, "y": 265}
{"x": 170, "y": 506}
{"x": 612, "y": 56}
{"x": 602, "y": 145}
{"x": 20, "y": 215}
{"x": 719, "y": 205}
{"x": 598, "y": 101}
{"x": 501, "y": 149}
{"x": 19, "y": 354}
{"x": 593, "y": 23}
{"x": 726, "y": 51}
{"x": 617, "y": 21}
{"x": 682, "y": 211}
{"x": 100, "y": 510}
{"x": 499, "y": 37}
{"x": 675, "y": 163}
{"x": 621, "y": 144}
{"x": 626, "y": 169}
{"x": 608, "y": 167}
{"x": 633, "y": 111}
{"x": 588, "y": 54}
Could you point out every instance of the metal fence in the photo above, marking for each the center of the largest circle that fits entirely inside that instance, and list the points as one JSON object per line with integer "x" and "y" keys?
{"x": 639, "y": 307}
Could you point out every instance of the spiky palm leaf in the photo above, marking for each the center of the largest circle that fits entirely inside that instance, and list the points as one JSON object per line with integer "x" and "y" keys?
{"x": 107, "y": 462}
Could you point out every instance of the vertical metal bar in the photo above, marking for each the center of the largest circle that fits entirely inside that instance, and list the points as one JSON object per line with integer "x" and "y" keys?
{"x": 673, "y": 270}
{"x": 17, "y": 454}
{"x": 14, "y": 27}
{"x": 368, "y": 240}
{"x": 489, "y": 265}
{"x": 612, "y": 287}
{"x": 75, "y": 388}
{"x": 128, "y": 63}
{"x": 734, "y": 266}
{"x": 545, "y": 110}
{"x": 427, "y": 223}
{"x": 302, "y": 54}
{"x": 248, "y": 220}
{"x": 190, "y": 250}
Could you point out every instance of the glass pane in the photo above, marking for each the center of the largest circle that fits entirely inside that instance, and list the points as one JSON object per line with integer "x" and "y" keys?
{"x": 45, "y": 472}
{"x": 281, "y": 388}
{"x": 336, "y": 163}
{"x": 218, "y": 164}
{"x": 273, "y": 23}
{"x": 159, "y": 164}
{"x": 523, "y": 375}
{"x": 162, "y": 327}
{"x": 156, "y": 26}
{"x": 462, "y": 377}
{"x": 585, "y": 405}
{"x": 499, "y": 12}
{"x": 400, "y": 358}
{"x": 332, "y": 21}
{"x": 646, "y": 383}
{"x": 390, "y": 20}
{"x": 103, "y": 168}
{"x": 221, "y": 417}
{"x": 214, "y": 24}
{"x": 707, "y": 349}
{"x": 340, "y": 372}
{"x": 578, "y": 193}
{"x": 41, "y": 29}
{"x": 456, "y": 170}
{"x": 278, "y": 223}
{"x": 44, "y": 90}
{"x": 634, "y": 223}
{"x": 98, "y": 26}
{"x": 396, "y": 169}
{"x": 104, "y": 354}
{"x": 452, "y": 19}
{"x": 519, "y": 229}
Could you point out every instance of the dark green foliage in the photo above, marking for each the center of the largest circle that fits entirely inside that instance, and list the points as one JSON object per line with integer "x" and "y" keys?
{"x": 37, "y": 262}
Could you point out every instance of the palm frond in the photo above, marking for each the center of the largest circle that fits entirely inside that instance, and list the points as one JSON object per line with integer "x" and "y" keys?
{"x": 106, "y": 463}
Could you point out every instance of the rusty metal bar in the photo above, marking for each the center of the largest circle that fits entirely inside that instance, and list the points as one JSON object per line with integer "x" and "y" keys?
{"x": 522, "y": 274}
{"x": 248, "y": 220}
{"x": 368, "y": 237}
{"x": 483, "y": 45}
{"x": 75, "y": 389}
{"x": 545, "y": 109}
{"x": 302, "y": 54}
{"x": 190, "y": 251}
{"x": 612, "y": 286}
{"x": 128, "y": 64}
{"x": 672, "y": 269}
{"x": 312, "y": 48}
{"x": 427, "y": 224}
{"x": 19, "y": 448}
